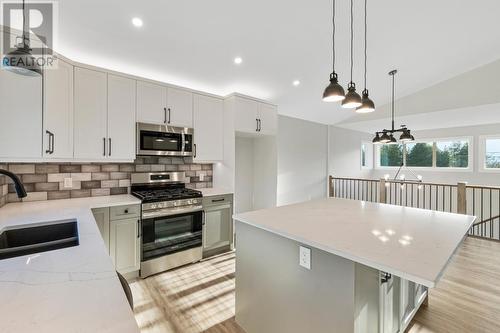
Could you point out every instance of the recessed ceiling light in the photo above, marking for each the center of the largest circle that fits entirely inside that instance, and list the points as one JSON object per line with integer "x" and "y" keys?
{"x": 137, "y": 22}
{"x": 296, "y": 83}
{"x": 238, "y": 60}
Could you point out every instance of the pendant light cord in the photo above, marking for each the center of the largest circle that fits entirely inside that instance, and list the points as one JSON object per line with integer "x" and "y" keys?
{"x": 352, "y": 37}
{"x": 24, "y": 25}
{"x": 366, "y": 32}
{"x": 392, "y": 104}
{"x": 333, "y": 36}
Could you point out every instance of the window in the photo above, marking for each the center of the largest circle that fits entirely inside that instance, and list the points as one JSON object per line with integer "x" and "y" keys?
{"x": 452, "y": 154}
{"x": 419, "y": 154}
{"x": 442, "y": 153}
{"x": 490, "y": 153}
{"x": 391, "y": 155}
{"x": 366, "y": 157}
{"x": 363, "y": 155}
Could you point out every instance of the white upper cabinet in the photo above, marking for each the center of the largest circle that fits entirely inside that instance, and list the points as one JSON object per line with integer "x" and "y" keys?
{"x": 151, "y": 103}
{"x": 90, "y": 103}
{"x": 251, "y": 116}
{"x": 157, "y": 104}
{"x": 20, "y": 116}
{"x": 208, "y": 128}
{"x": 121, "y": 118}
{"x": 268, "y": 119}
{"x": 58, "y": 111}
{"x": 245, "y": 115}
{"x": 179, "y": 107}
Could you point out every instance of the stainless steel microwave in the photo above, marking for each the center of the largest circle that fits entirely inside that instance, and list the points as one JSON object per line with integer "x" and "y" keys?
{"x": 163, "y": 140}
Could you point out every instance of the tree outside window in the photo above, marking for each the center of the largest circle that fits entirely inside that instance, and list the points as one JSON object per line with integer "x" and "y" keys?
{"x": 452, "y": 154}
{"x": 391, "y": 155}
{"x": 419, "y": 154}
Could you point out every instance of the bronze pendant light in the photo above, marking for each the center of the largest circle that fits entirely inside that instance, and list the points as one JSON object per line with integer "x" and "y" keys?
{"x": 367, "y": 104}
{"x": 21, "y": 61}
{"x": 334, "y": 91}
{"x": 352, "y": 98}
{"x": 386, "y": 136}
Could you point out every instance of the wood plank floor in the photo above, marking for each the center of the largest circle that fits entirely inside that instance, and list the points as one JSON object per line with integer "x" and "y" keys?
{"x": 200, "y": 297}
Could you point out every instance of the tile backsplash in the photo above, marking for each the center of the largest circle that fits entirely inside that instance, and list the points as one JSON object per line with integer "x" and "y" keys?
{"x": 45, "y": 181}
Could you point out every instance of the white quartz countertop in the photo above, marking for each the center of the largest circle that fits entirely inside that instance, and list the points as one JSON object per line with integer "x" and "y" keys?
{"x": 411, "y": 243}
{"x": 210, "y": 192}
{"x": 74, "y": 289}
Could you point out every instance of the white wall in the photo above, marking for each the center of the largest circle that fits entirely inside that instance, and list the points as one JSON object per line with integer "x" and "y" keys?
{"x": 244, "y": 175}
{"x": 345, "y": 155}
{"x": 302, "y": 160}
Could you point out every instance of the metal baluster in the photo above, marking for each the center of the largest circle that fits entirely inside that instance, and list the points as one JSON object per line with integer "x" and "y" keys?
{"x": 491, "y": 222}
{"x": 482, "y": 228}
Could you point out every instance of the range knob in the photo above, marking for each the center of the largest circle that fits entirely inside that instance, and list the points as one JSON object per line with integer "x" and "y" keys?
{"x": 153, "y": 206}
{"x": 189, "y": 202}
{"x": 176, "y": 204}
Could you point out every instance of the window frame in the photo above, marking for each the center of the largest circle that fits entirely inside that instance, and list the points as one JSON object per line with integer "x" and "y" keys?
{"x": 470, "y": 166}
{"x": 482, "y": 154}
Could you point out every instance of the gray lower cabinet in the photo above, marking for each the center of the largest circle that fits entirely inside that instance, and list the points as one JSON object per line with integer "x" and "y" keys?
{"x": 120, "y": 229}
{"x": 217, "y": 223}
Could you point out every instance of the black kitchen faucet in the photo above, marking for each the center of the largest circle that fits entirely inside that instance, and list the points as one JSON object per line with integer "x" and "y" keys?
{"x": 21, "y": 192}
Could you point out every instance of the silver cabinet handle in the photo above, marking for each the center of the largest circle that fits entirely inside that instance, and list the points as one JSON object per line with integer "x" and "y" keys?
{"x": 257, "y": 122}
{"x": 194, "y": 150}
{"x": 109, "y": 153}
{"x": 165, "y": 115}
{"x": 104, "y": 146}
{"x": 260, "y": 125}
{"x": 169, "y": 112}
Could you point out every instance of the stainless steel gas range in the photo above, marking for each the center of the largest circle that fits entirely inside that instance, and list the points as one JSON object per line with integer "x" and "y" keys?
{"x": 171, "y": 221}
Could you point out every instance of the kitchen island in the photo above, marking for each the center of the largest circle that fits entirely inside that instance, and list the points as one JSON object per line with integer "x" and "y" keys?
{"x": 363, "y": 267}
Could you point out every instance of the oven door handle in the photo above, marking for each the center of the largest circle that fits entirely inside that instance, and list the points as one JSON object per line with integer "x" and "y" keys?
{"x": 171, "y": 211}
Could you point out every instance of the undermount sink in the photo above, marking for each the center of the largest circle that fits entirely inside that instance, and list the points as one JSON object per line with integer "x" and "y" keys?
{"x": 41, "y": 237}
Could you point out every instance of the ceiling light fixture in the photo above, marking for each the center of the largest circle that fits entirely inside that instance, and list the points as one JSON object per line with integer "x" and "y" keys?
{"x": 334, "y": 91}
{"x": 367, "y": 104}
{"x": 238, "y": 60}
{"x": 352, "y": 98}
{"x": 21, "y": 61}
{"x": 387, "y": 135}
{"x": 296, "y": 83}
{"x": 137, "y": 22}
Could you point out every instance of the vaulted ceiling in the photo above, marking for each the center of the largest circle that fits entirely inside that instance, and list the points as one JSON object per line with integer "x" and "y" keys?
{"x": 193, "y": 43}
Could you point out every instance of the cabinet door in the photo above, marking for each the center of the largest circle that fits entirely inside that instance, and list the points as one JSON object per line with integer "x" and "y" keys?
{"x": 90, "y": 123}
{"x": 208, "y": 128}
{"x": 217, "y": 226}
{"x": 101, "y": 216}
{"x": 268, "y": 119}
{"x": 58, "y": 114}
{"x": 151, "y": 103}
{"x": 124, "y": 243}
{"x": 20, "y": 116}
{"x": 121, "y": 118}
{"x": 180, "y": 107}
{"x": 245, "y": 115}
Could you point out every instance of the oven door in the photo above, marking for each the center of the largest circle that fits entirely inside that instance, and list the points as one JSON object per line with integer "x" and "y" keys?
{"x": 170, "y": 234}
{"x": 160, "y": 140}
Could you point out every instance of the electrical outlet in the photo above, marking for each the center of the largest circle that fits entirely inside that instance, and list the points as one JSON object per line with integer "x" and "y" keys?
{"x": 305, "y": 257}
{"x": 68, "y": 182}
{"x": 202, "y": 176}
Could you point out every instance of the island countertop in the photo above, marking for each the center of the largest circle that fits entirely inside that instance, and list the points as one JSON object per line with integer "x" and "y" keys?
{"x": 74, "y": 289}
{"x": 411, "y": 243}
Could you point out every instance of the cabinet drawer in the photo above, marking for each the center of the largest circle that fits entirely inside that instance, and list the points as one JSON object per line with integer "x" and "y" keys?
{"x": 217, "y": 200}
{"x": 124, "y": 212}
